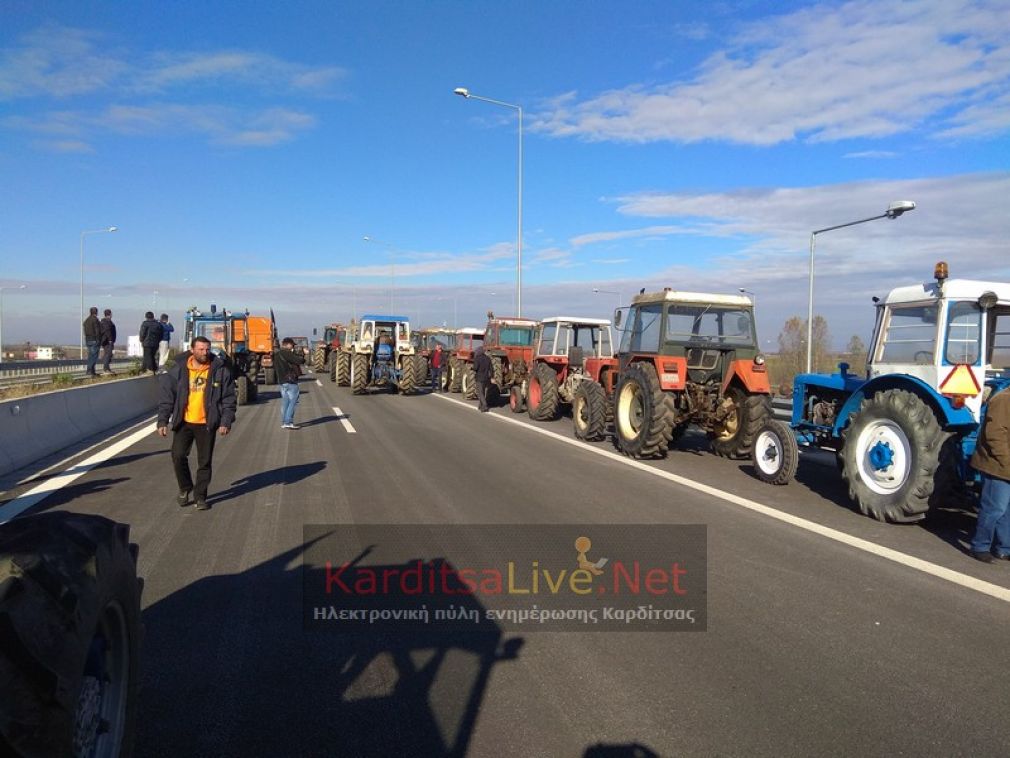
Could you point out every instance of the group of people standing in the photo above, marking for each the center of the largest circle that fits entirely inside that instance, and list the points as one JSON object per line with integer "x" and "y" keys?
{"x": 100, "y": 339}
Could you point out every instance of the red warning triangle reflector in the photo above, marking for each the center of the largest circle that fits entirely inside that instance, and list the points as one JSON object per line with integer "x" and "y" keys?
{"x": 960, "y": 381}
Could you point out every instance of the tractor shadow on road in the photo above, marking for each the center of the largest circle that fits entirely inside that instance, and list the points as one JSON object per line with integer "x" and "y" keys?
{"x": 233, "y": 666}
{"x": 80, "y": 489}
{"x": 275, "y": 476}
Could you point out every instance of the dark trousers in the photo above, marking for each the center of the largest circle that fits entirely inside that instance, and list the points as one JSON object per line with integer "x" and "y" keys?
{"x": 436, "y": 378}
{"x": 107, "y": 356}
{"x": 93, "y": 348}
{"x": 482, "y": 389}
{"x": 150, "y": 362}
{"x": 182, "y": 443}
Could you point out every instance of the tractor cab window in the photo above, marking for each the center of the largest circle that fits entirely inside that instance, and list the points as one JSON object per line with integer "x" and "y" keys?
{"x": 705, "y": 323}
{"x": 516, "y": 336}
{"x": 401, "y": 332}
{"x": 606, "y": 349}
{"x": 641, "y": 329}
{"x": 547, "y": 339}
{"x": 964, "y": 333}
{"x": 908, "y": 335}
{"x": 999, "y": 338}
{"x": 585, "y": 336}
{"x": 329, "y": 335}
{"x": 215, "y": 331}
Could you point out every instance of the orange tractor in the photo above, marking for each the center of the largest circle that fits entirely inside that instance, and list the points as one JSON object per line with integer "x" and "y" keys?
{"x": 459, "y": 376}
{"x": 509, "y": 344}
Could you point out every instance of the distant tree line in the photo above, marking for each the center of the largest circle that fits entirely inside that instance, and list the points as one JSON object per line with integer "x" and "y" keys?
{"x": 792, "y": 356}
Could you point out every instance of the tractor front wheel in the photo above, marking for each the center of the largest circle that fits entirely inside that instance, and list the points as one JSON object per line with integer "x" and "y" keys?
{"x": 242, "y": 390}
{"x": 468, "y": 383}
{"x": 776, "y": 454}
{"x": 542, "y": 398}
{"x": 892, "y": 452}
{"x": 455, "y": 375}
{"x": 517, "y": 404}
{"x": 643, "y": 414}
{"x": 270, "y": 375}
{"x": 589, "y": 411}
{"x": 734, "y": 436}
{"x": 319, "y": 360}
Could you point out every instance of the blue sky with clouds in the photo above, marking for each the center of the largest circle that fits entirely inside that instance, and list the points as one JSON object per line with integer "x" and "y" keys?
{"x": 245, "y": 149}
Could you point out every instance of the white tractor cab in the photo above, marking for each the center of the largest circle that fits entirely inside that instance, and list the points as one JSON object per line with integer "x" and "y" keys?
{"x": 905, "y": 432}
{"x": 382, "y": 355}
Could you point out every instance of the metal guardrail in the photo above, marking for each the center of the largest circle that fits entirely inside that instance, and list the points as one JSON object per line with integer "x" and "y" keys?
{"x": 782, "y": 408}
{"x": 42, "y": 372}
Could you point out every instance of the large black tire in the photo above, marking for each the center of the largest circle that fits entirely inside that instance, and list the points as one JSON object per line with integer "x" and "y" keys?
{"x": 748, "y": 413}
{"x": 408, "y": 375}
{"x": 421, "y": 370}
{"x": 892, "y": 453}
{"x": 331, "y": 365}
{"x": 589, "y": 411}
{"x": 455, "y": 375}
{"x": 517, "y": 403}
{"x": 359, "y": 373}
{"x": 242, "y": 389}
{"x": 542, "y": 398}
{"x": 497, "y": 372}
{"x": 70, "y": 630}
{"x": 468, "y": 383}
{"x": 342, "y": 370}
{"x": 643, "y": 414}
{"x": 319, "y": 360}
{"x": 269, "y": 375}
{"x": 776, "y": 454}
{"x": 254, "y": 391}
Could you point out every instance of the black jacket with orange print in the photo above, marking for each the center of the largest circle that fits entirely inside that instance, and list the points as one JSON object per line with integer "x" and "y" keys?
{"x": 218, "y": 398}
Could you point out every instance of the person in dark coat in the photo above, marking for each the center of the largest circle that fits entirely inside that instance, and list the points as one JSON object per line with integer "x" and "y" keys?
{"x": 92, "y": 339}
{"x": 992, "y": 460}
{"x": 482, "y": 370}
{"x": 197, "y": 400}
{"x": 288, "y": 364}
{"x": 150, "y": 339}
{"x": 108, "y": 340}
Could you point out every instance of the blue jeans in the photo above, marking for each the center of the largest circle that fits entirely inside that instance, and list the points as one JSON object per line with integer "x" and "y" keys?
{"x": 993, "y": 517}
{"x": 436, "y": 378}
{"x": 289, "y": 399}
{"x": 93, "y": 349}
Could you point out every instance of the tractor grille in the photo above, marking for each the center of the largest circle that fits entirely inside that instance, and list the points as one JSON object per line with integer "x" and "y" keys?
{"x": 699, "y": 358}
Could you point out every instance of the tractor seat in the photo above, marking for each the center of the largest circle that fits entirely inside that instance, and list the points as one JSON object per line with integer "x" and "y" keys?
{"x": 576, "y": 357}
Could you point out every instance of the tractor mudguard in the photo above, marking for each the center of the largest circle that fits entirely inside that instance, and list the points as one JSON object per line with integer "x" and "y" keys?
{"x": 946, "y": 413}
{"x": 753, "y": 377}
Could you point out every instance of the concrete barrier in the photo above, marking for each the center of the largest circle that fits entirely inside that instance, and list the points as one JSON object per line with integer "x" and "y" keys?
{"x": 39, "y": 425}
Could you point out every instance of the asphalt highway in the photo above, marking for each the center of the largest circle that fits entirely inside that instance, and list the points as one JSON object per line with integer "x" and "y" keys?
{"x": 851, "y": 638}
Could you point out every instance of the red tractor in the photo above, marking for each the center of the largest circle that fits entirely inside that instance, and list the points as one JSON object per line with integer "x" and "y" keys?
{"x": 509, "y": 344}
{"x": 574, "y": 365}
{"x": 459, "y": 376}
{"x": 425, "y": 341}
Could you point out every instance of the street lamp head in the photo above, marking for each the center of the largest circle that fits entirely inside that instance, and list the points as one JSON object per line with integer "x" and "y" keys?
{"x": 113, "y": 229}
{"x": 596, "y": 290}
{"x": 898, "y": 207}
{"x": 461, "y": 91}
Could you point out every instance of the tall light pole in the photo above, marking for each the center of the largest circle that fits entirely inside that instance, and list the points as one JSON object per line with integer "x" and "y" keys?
{"x": 392, "y": 268}
{"x": 464, "y": 92}
{"x": 21, "y": 287}
{"x": 83, "y": 235}
{"x": 455, "y": 310}
{"x": 894, "y": 210}
{"x": 598, "y": 291}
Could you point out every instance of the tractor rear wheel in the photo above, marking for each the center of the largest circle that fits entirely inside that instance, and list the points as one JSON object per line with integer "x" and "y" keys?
{"x": 408, "y": 376}
{"x": 892, "y": 452}
{"x": 589, "y": 411}
{"x": 517, "y": 404}
{"x": 734, "y": 437}
{"x": 542, "y": 398}
{"x": 497, "y": 372}
{"x": 776, "y": 454}
{"x": 319, "y": 360}
{"x": 70, "y": 615}
{"x": 331, "y": 365}
{"x": 254, "y": 390}
{"x": 359, "y": 373}
{"x": 342, "y": 370}
{"x": 468, "y": 383}
{"x": 643, "y": 417}
{"x": 455, "y": 375}
{"x": 270, "y": 375}
{"x": 242, "y": 389}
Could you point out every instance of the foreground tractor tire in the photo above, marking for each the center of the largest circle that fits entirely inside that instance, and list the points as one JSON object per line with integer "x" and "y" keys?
{"x": 70, "y": 623}
{"x": 359, "y": 373}
{"x": 517, "y": 404}
{"x": 254, "y": 390}
{"x": 242, "y": 390}
{"x": 342, "y": 370}
{"x": 497, "y": 372}
{"x": 270, "y": 375}
{"x": 331, "y": 366}
{"x": 643, "y": 414}
{"x": 319, "y": 361}
{"x": 468, "y": 384}
{"x": 455, "y": 375}
{"x": 776, "y": 454}
{"x": 408, "y": 375}
{"x": 893, "y": 448}
{"x": 589, "y": 411}
{"x": 748, "y": 413}
{"x": 542, "y": 398}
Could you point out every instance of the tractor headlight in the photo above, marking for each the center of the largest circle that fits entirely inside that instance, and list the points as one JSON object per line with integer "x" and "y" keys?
{"x": 759, "y": 360}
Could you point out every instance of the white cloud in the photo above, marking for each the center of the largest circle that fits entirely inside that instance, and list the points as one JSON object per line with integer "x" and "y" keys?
{"x": 823, "y": 73}
{"x": 873, "y": 154}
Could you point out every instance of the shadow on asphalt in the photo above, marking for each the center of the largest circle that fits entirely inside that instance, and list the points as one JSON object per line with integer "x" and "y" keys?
{"x": 71, "y": 492}
{"x": 322, "y": 420}
{"x": 282, "y": 475}
{"x": 629, "y": 750}
{"x": 229, "y": 669}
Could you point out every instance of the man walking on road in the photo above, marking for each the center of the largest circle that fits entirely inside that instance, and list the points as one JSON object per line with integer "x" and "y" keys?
{"x": 92, "y": 339}
{"x": 992, "y": 460}
{"x": 150, "y": 339}
{"x": 166, "y": 340}
{"x": 482, "y": 370}
{"x": 437, "y": 359}
{"x": 287, "y": 363}
{"x": 108, "y": 339}
{"x": 198, "y": 399}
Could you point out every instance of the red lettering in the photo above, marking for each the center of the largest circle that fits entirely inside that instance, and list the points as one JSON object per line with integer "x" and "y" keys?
{"x": 655, "y": 582}
{"x": 678, "y": 572}
{"x": 619, "y": 571}
{"x": 334, "y": 578}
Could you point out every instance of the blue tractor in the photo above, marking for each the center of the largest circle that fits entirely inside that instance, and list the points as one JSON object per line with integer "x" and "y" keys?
{"x": 382, "y": 355}
{"x": 904, "y": 433}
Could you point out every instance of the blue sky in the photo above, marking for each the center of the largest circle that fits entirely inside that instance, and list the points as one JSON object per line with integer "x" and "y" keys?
{"x": 245, "y": 149}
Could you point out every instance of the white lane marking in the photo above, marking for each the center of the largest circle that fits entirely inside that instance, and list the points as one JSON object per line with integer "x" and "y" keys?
{"x": 21, "y": 503}
{"x": 344, "y": 420}
{"x": 969, "y": 582}
{"x": 319, "y": 383}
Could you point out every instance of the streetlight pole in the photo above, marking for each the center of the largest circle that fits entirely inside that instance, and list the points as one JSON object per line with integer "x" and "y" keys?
{"x": 2, "y": 317}
{"x": 392, "y": 268}
{"x": 83, "y": 235}
{"x": 464, "y": 92}
{"x": 598, "y": 291}
{"x": 894, "y": 210}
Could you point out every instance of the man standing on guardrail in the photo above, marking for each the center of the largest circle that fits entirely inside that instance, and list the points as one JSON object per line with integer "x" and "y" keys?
{"x": 92, "y": 338}
{"x": 166, "y": 339}
{"x": 108, "y": 339}
{"x": 198, "y": 398}
{"x": 150, "y": 338}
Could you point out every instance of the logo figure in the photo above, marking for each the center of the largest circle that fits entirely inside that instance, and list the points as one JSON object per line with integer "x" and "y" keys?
{"x": 583, "y": 546}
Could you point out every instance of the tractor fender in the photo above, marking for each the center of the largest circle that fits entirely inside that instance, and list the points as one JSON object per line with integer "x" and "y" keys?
{"x": 752, "y": 377}
{"x": 946, "y": 413}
